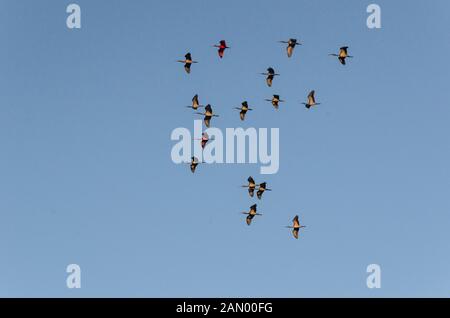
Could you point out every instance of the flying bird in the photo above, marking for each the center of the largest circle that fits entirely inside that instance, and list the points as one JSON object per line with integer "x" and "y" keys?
{"x": 275, "y": 100}
{"x": 251, "y": 186}
{"x": 195, "y": 103}
{"x": 251, "y": 214}
{"x": 194, "y": 164}
{"x": 262, "y": 188}
{"x": 296, "y": 226}
{"x": 204, "y": 140}
{"x": 222, "y": 46}
{"x": 243, "y": 109}
{"x": 270, "y": 76}
{"x": 291, "y": 43}
{"x": 311, "y": 100}
{"x": 208, "y": 115}
{"x": 187, "y": 62}
{"x": 343, "y": 54}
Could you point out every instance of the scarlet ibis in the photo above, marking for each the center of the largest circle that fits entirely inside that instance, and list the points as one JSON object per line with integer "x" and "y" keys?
{"x": 291, "y": 43}
{"x": 204, "y": 140}
{"x": 311, "y": 100}
{"x": 208, "y": 115}
{"x": 222, "y": 46}
{"x": 195, "y": 103}
{"x": 270, "y": 75}
{"x": 275, "y": 100}
{"x": 343, "y": 54}
{"x": 296, "y": 226}
{"x": 262, "y": 188}
{"x": 251, "y": 186}
{"x": 187, "y": 62}
{"x": 251, "y": 214}
{"x": 243, "y": 109}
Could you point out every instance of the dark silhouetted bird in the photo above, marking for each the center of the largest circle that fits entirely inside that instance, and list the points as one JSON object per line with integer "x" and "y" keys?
{"x": 187, "y": 62}
{"x": 194, "y": 164}
{"x": 195, "y": 103}
{"x": 296, "y": 226}
{"x": 270, "y": 76}
{"x": 343, "y": 54}
{"x": 262, "y": 188}
{"x": 208, "y": 115}
{"x": 275, "y": 101}
{"x": 243, "y": 109}
{"x": 251, "y": 186}
{"x": 311, "y": 100}
{"x": 291, "y": 43}
{"x": 251, "y": 214}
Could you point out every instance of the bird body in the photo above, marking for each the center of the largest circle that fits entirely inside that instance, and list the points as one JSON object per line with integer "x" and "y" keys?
{"x": 194, "y": 164}
{"x": 251, "y": 214}
{"x": 291, "y": 44}
{"x": 208, "y": 115}
{"x": 222, "y": 46}
{"x": 311, "y": 100}
{"x": 296, "y": 227}
{"x": 195, "y": 103}
{"x": 251, "y": 186}
{"x": 187, "y": 62}
{"x": 275, "y": 101}
{"x": 243, "y": 109}
{"x": 270, "y": 75}
{"x": 204, "y": 140}
{"x": 343, "y": 54}
{"x": 262, "y": 189}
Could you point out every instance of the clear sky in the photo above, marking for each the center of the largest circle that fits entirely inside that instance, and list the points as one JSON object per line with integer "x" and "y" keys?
{"x": 86, "y": 175}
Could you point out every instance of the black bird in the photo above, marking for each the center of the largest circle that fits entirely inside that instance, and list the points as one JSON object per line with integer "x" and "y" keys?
{"x": 291, "y": 43}
{"x": 195, "y": 103}
{"x": 275, "y": 100}
{"x": 311, "y": 100}
{"x": 251, "y": 214}
{"x": 262, "y": 188}
{"x": 208, "y": 115}
{"x": 187, "y": 62}
{"x": 296, "y": 226}
{"x": 243, "y": 109}
{"x": 251, "y": 186}
{"x": 343, "y": 54}
{"x": 194, "y": 164}
{"x": 270, "y": 76}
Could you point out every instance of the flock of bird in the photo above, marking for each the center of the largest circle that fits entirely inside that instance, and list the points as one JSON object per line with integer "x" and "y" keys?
{"x": 208, "y": 114}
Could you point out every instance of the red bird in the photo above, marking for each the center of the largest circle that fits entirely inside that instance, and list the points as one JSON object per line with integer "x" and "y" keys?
{"x": 222, "y": 46}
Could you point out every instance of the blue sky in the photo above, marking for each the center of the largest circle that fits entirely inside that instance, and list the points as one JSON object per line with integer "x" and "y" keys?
{"x": 86, "y": 174}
